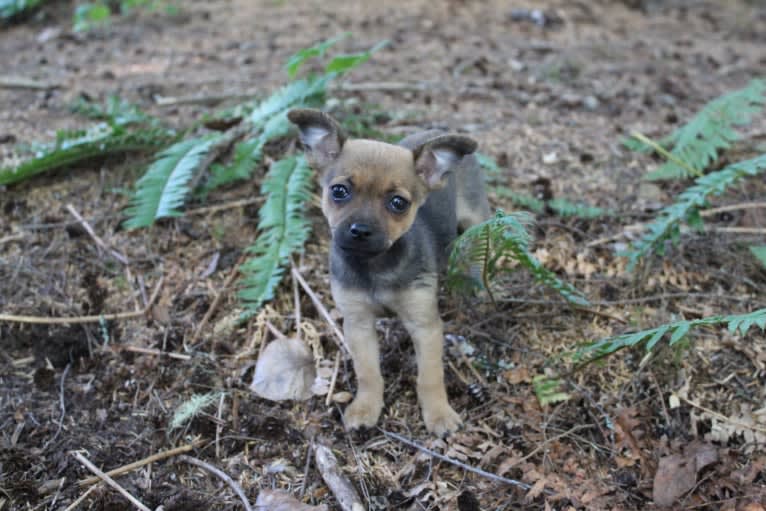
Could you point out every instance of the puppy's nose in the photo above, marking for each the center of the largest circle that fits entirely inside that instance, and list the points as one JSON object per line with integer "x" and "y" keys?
{"x": 360, "y": 231}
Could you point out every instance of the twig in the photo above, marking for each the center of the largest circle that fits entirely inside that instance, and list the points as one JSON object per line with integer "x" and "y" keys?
{"x": 140, "y": 463}
{"x": 736, "y": 230}
{"x": 722, "y": 417}
{"x": 667, "y": 154}
{"x": 732, "y": 207}
{"x": 19, "y": 82}
{"x": 12, "y": 237}
{"x": 152, "y": 351}
{"x": 226, "y": 205}
{"x": 549, "y": 441}
{"x": 108, "y": 480}
{"x": 201, "y": 98}
{"x": 334, "y": 379}
{"x": 41, "y": 320}
{"x": 344, "y": 492}
{"x": 82, "y": 497}
{"x": 478, "y": 471}
{"x": 85, "y": 225}
{"x": 604, "y": 314}
{"x": 306, "y": 467}
{"x": 217, "y": 299}
{"x": 319, "y": 306}
{"x": 62, "y": 406}
{"x": 220, "y": 474}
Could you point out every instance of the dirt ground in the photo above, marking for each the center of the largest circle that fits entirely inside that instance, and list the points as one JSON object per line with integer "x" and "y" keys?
{"x": 550, "y": 103}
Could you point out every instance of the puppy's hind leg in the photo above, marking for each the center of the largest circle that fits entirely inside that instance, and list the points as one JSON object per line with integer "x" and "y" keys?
{"x": 472, "y": 203}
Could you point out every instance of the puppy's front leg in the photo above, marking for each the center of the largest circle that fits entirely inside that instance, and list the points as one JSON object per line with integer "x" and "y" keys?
{"x": 362, "y": 340}
{"x": 418, "y": 310}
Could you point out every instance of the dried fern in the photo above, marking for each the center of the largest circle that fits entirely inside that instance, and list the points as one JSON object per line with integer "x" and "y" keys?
{"x": 738, "y": 323}
{"x": 698, "y": 143}
{"x": 686, "y": 208}
{"x": 485, "y": 249}
{"x": 283, "y": 230}
{"x": 162, "y": 190}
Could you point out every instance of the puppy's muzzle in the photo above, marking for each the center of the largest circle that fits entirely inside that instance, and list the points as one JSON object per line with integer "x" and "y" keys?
{"x": 360, "y": 239}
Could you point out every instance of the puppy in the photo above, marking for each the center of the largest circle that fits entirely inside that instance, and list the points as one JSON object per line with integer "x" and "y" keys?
{"x": 393, "y": 211}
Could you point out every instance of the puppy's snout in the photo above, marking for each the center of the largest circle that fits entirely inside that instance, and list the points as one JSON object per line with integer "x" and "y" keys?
{"x": 360, "y": 231}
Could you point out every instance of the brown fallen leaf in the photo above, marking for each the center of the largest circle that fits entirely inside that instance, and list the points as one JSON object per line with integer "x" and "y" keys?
{"x": 517, "y": 375}
{"x": 272, "y": 500}
{"x": 285, "y": 370}
{"x": 677, "y": 474}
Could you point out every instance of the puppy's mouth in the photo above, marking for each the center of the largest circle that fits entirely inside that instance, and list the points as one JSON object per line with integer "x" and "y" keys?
{"x": 360, "y": 252}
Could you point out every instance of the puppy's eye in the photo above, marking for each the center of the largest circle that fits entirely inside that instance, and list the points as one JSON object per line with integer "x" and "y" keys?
{"x": 340, "y": 193}
{"x": 398, "y": 204}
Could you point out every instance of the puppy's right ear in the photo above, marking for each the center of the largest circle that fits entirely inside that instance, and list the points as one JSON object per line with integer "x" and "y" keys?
{"x": 320, "y": 134}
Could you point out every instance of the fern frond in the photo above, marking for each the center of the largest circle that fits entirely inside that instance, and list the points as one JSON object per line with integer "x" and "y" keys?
{"x": 565, "y": 208}
{"x": 11, "y": 8}
{"x": 75, "y": 147}
{"x": 187, "y": 410}
{"x": 162, "y": 190}
{"x": 549, "y": 390}
{"x": 248, "y": 153}
{"x": 667, "y": 223}
{"x": 318, "y": 50}
{"x": 738, "y": 323}
{"x": 760, "y": 253}
{"x": 699, "y": 142}
{"x": 116, "y": 111}
{"x": 504, "y": 236}
{"x": 283, "y": 230}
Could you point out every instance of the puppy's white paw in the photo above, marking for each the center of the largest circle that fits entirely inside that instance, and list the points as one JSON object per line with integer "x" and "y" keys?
{"x": 362, "y": 412}
{"x": 441, "y": 420}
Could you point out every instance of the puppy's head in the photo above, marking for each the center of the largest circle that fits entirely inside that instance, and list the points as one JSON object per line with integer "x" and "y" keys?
{"x": 371, "y": 190}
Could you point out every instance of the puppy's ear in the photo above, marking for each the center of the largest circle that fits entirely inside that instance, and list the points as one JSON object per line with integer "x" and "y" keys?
{"x": 437, "y": 157}
{"x": 320, "y": 134}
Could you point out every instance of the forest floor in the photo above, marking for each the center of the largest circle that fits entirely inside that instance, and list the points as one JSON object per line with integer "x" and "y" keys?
{"x": 550, "y": 103}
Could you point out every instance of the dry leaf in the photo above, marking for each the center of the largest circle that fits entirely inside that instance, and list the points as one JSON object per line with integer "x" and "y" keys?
{"x": 517, "y": 375}
{"x": 285, "y": 370}
{"x": 272, "y": 500}
{"x": 677, "y": 474}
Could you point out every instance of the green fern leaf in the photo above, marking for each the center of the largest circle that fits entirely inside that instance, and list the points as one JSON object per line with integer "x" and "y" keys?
{"x": 760, "y": 253}
{"x": 666, "y": 225}
{"x": 162, "y": 190}
{"x": 548, "y": 390}
{"x": 318, "y": 50}
{"x": 738, "y": 323}
{"x": 343, "y": 63}
{"x": 699, "y": 142}
{"x": 565, "y": 208}
{"x": 522, "y": 200}
{"x": 12, "y": 8}
{"x": 283, "y": 228}
{"x": 483, "y": 245}
{"x": 74, "y": 147}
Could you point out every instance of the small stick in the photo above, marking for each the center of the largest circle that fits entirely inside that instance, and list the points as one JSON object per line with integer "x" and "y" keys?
{"x": 457, "y": 463}
{"x": 82, "y": 497}
{"x": 19, "y": 82}
{"x": 220, "y": 474}
{"x": 117, "y": 255}
{"x": 140, "y": 463}
{"x": 733, "y": 207}
{"x": 62, "y": 406}
{"x": 345, "y": 493}
{"x": 153, "y": 351}
{"x": 12, "y": 237}
{"x": 41, "y": 320}
{"x": 226, "y": 205}
{"x": 722, "y": 417}
{"x": 297, "y": 301}
{"x": 217, "y": 299}
{"x": 108, "y": 480}
{"x": 307, "y": 466}
{"x": 334, "y": 379}
{"x": 319, "y": 306}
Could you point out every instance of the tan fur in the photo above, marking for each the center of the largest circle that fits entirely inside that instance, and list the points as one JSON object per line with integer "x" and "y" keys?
{"x": 376, "y": 172}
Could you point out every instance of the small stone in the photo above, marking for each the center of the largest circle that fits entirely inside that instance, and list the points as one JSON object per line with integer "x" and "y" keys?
{"x": 516, "y": 65}
{"x": 550, "y": 158}
{"x": 590, "y": 102}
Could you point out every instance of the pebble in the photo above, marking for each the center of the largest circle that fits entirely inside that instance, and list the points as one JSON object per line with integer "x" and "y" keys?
{"x": 550, "y": 158}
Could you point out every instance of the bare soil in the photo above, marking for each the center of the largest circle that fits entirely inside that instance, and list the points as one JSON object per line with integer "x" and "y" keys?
{"x": 551, "y": 103}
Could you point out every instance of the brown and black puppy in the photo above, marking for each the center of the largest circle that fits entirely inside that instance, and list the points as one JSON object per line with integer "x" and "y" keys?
{"x": 393, "y": 211}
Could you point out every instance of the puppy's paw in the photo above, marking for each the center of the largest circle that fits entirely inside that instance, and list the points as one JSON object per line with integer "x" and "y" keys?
{"x": 441, "y": 420}
{"x": 362, "y": 412}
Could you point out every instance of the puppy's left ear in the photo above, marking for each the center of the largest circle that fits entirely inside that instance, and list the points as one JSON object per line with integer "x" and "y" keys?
{"x": 320, "y": 134}
{"x": 437, "y": 157}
